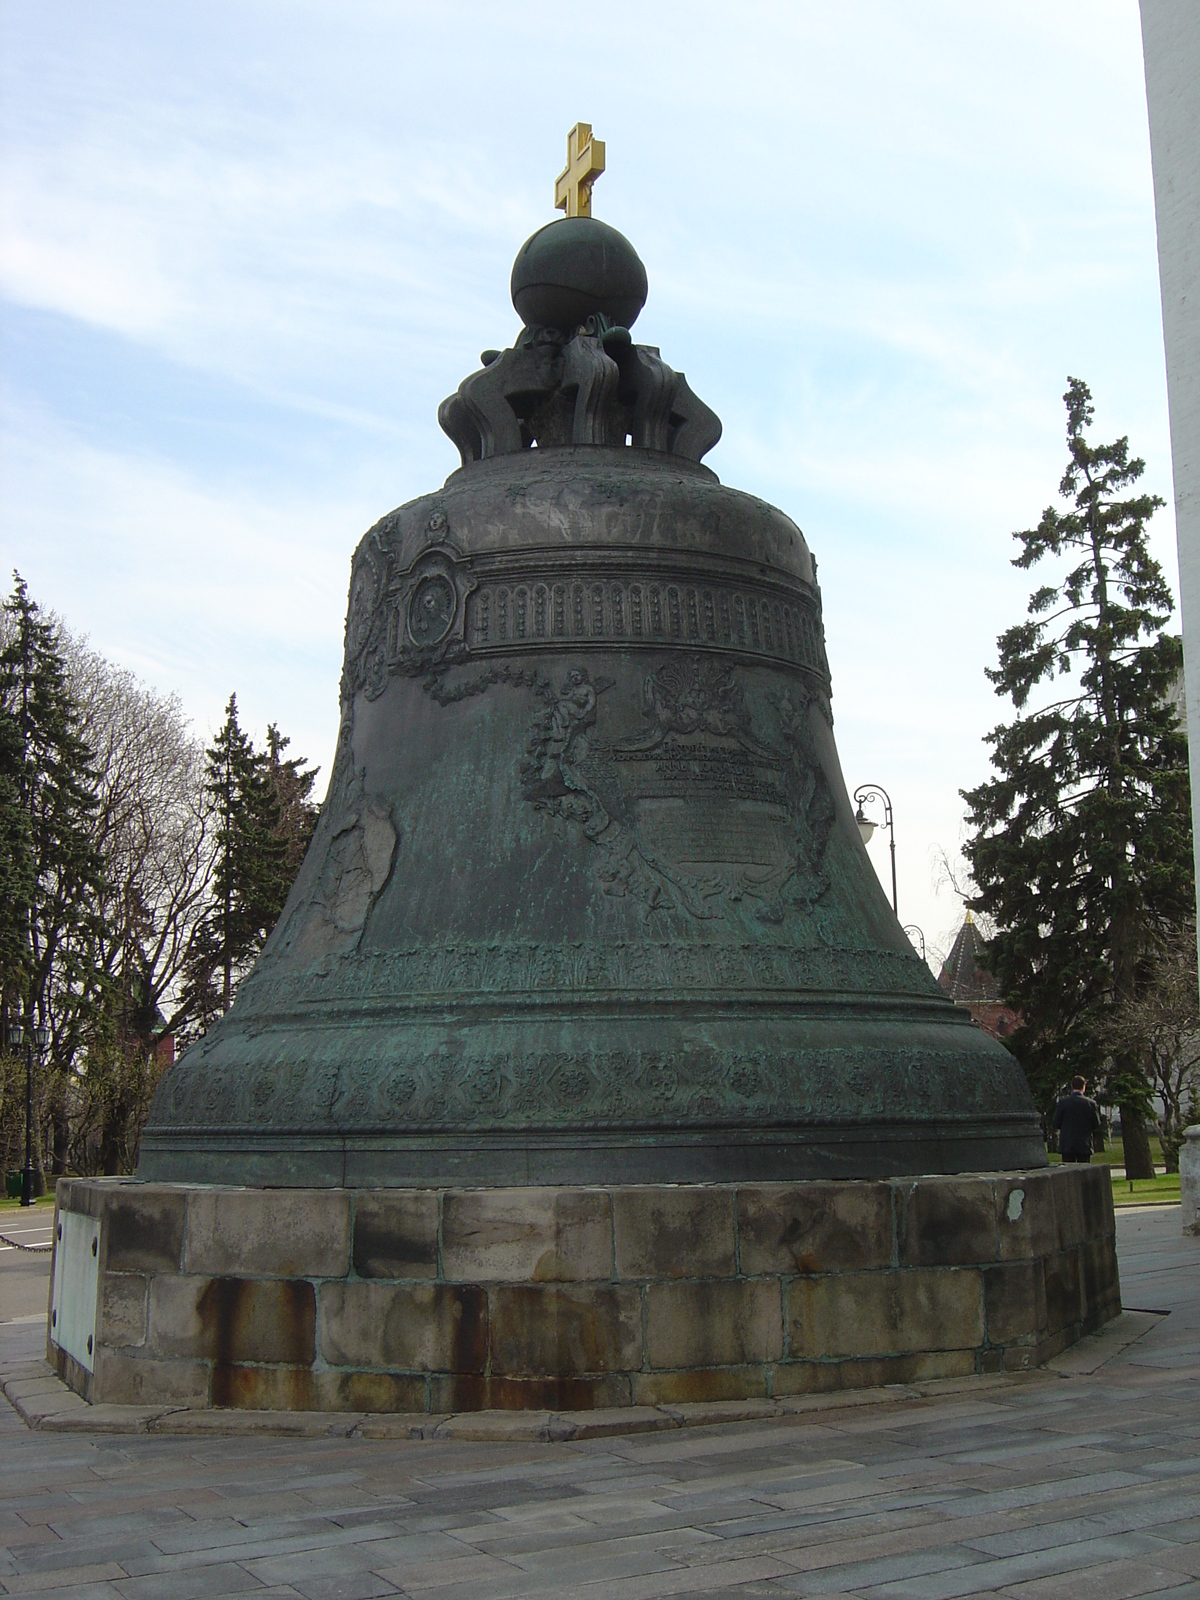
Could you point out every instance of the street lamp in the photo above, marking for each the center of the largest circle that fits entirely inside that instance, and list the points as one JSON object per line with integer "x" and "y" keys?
{"x": 16, "y": 1033}
{"x": 868, "y": 792}
{"x": 910, "y": 928}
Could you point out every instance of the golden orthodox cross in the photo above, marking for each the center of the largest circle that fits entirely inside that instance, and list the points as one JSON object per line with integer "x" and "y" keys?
{"x": 585, "y": 163}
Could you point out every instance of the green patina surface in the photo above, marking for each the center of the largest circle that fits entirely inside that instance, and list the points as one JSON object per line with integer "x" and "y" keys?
{"x": 586, "y": 901}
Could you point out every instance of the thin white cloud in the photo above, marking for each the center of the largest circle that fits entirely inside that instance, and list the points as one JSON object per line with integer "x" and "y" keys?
{"x": 879, "y": 237}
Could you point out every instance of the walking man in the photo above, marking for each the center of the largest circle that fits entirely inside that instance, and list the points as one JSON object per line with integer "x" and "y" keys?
{"x": 1076, "y": 1120}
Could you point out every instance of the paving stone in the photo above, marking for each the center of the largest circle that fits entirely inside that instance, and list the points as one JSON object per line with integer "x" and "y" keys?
{"x": 351, "y": 1586}
{"x": 527, "y": 1235}
{"x": 279, "y": 1232}
{"x": 99, "y": 1590}
{"x": 205, "y": 1583}
{"x": 814, "y": 1227}
{"x": 890, "y": 1485}
{"x": 93, "y": 1572}
{"x": 1116, "y": 1580}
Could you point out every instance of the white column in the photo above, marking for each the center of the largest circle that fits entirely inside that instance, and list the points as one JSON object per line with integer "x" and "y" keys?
{"x": 1171, "y": 48}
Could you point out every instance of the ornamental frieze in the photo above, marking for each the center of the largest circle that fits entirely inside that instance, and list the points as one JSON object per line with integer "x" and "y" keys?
{"x": 478, "y": 972}
{"x": 444, "y": 608}
{"x": 418, "y": 1090}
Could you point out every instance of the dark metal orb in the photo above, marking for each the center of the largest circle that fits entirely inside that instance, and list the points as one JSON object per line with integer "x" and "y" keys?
{"x": 576, "y": 268}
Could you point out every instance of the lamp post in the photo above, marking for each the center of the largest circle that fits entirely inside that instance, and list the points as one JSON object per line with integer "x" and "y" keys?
{"x": 868, "y": 792}
{"x": 910, "y": 928}
{"x": 16, "y": 1033}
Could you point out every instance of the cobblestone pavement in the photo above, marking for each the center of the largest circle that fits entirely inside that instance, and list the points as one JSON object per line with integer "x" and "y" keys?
{"x": 1075, "y": 1482}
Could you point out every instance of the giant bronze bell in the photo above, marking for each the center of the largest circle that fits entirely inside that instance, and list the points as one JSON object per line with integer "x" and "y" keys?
{"x": 586, "y": 902}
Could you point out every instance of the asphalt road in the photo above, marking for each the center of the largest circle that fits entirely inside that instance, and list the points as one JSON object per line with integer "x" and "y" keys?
{"x": 24, "y": 1274}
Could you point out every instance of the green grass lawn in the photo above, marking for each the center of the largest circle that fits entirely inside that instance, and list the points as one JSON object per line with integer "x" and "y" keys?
{"x": 1162, "y": 1190}
{"x": 46, "y": 1202}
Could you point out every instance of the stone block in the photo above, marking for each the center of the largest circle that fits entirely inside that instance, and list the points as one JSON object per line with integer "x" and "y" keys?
{"x": 276, "y": 1232}
{"x": 1098, "y": 1278}
{"x": 538, "y": 1329}
{"x": 369, "y": 1391}
{"x": 396, "y": 1233}
{"x": 409, "y": 1327}
{"x": 814, "y": 1227}
{"x": 684, "y": 1232}
{"x": 825, "y": 1377}
{"x": 128, "y": 1380}
{"x": 713, "y": 1383}
{"x": 526, "y": 1235}
{"x": 1189, "y": 1181}
{"x": 1024, "y": 1357}
{"x": 90, "y": 1197}
{"x": 1069, "y": 1223}
{"x": 1025, "y": 1216}
{"x": 142, "y": 1228}
{"x": 473, "y": 1392}
{"x": 232, "y": 1319}
{"x": 713, "y": 1323}
{"x": 884, "y": 1313}
{"x": 1096, "y": 1201}
{"x": 1015, "y": 1302}
{"x": 253, "y": 1388}
{"x": 121, "y": 1316}
{"x": 946, "y": 1222}
{"x": 1064, "y": 1307}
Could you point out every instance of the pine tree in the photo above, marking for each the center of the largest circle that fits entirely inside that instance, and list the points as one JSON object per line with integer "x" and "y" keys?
{"x": 1081, "y": 843}
{"x": 49, "y": 975}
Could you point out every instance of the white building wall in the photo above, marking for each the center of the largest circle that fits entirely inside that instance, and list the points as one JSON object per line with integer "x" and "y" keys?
{"x": 1171, "y": 48}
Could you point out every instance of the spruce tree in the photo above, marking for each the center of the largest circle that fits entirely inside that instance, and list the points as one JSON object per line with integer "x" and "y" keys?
{"x": 245, "y": 852}
{"x": 52, "y": 874}
{"x": 264, "y": 822}
{"x": 291, "y": 785}
{"x": 1080, "y": 843}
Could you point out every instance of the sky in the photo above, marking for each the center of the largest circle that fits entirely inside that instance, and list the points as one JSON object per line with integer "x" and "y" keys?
{"x": 246, "y": 248}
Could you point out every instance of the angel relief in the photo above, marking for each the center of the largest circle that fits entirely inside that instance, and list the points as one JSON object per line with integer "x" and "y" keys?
{"x": 695, "y": 811}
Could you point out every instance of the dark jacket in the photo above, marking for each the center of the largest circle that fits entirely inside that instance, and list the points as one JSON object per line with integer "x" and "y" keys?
{"x": 1077, "y": 1119}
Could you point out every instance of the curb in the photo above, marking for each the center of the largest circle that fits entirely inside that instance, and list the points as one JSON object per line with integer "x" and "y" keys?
{"x": 46, "y": 1405}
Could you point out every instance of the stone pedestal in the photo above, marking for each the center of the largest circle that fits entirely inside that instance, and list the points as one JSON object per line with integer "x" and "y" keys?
{"x": 442, "y": 1300}
{"x": 1189, "y": 1181}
